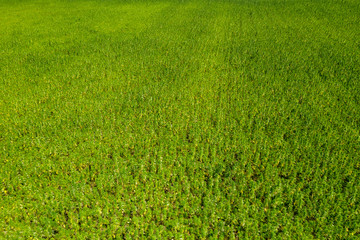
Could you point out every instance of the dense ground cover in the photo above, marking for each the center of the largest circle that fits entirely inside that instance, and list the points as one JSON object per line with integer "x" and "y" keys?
{"x": 180, "y": 119}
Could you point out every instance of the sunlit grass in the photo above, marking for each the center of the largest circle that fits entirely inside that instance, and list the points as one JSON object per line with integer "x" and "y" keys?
{"x": 179, "y": 119}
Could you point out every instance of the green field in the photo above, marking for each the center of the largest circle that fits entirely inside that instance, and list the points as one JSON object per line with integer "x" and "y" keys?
{"x": 194, "y": 119}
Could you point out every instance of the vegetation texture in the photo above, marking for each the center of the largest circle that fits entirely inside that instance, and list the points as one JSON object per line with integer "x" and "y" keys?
{"x": 193, "y": 119}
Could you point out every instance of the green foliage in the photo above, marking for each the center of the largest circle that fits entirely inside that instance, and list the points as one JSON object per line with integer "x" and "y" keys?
{"x": 188, "y": 119}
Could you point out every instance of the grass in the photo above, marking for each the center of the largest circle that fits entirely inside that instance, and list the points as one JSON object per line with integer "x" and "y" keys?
{"x": 190, "y": 119}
